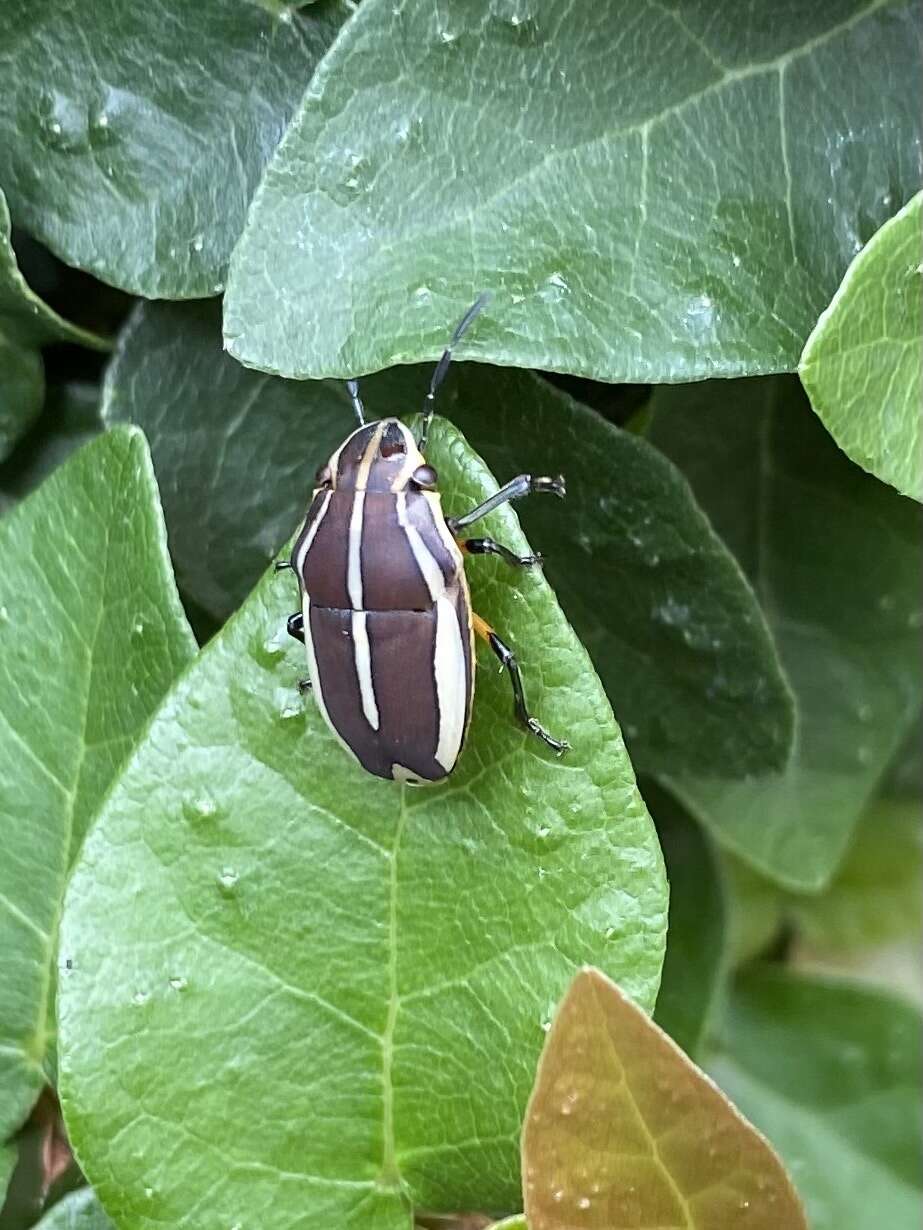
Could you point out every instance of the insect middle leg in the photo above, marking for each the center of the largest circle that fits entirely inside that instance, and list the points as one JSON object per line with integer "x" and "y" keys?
{"x": 523, "y": 484}
{"x": 508, "y": 661}
{"x": 487, "y": 546}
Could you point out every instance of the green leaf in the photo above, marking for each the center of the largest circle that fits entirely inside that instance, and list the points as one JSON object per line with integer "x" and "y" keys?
{"x": 91, "y": 636}
{"x": 654, "y": 595}
{"x": 652, "y": 194}
{"x": 249, "y": 891}
{"x": 623, "y": 1130}
{"x": 832, "y": 1074}
{"x": 26, "y": 323}
{"x": 69, "y": 418}
{"x": 252, "y": 442}
{"x": 834, "y": 558}
{"x": 132, "y": 136}
{"x": 693, "y": 969}
{"x": 861, "y": 365}
{"x": 672, "y": 625}
{"x": 7, "y": 1166}
{"x": 78, "y": 1211}
{"x": 511, "y": 1223}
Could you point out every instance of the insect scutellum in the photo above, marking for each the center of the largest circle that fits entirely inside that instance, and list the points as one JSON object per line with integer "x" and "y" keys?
{"x": 386, "y": 615}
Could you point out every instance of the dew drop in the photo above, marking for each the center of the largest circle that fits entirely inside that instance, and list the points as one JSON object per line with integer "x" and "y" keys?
{"x": 138, "y": 629}
{"x": 543, "y": 830}
{"x": 149, "y": 1193}
{"x": 583, "y": 1202}
{"x": 4, "y": 614}
{"x": 558, "y": 1195}
{"x": 140, "y": 998}
{"x": 227, "y": 880}
{"x": 423, "y": 296}
{"x": 198, "y": 243}
{"x": 736, "y": 261}
{"x": 178, "y": 983}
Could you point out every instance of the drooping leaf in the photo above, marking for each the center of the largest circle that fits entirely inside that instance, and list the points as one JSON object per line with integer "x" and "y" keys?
{"x": 834, "y": 557}
{"x": 26, "y": 323}
{"x": 696, "y": 933}
{"x": 132, "y": 136}
{"x": 623, "y": 1130}
{"x": 249, "y": 891}
{"x": 79, "y": 1211}
{"x": 668, "y": 618}
{"x": 652, "y": 194}
{"x": 69, "y": 418}
{"x": 91, "y": 636}
{"x": 831, "y": 1074}
{"x": 862, "y": 366}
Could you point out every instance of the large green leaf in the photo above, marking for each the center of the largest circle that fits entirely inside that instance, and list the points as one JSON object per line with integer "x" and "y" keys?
{"x": 664, "y": 610}
{"x": 862, "y": 365}
{"x": 325, "y": 993}
{"x": 133, "y": 135}
{"x": 78, "y": 1211}
{"x": 831, "y": 1074}
{"x": 623, "y": 1130}
{"x": 91, "y": 636}
{"x": 69, "y": 418}
{"x": 694, "y": 966}
{"x": 834, "y": 557}
{"x": 652, "y": 193}
{"x": 26, "y": 323}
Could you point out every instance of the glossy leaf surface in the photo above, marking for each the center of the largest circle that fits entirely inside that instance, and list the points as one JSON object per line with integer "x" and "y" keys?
{"x": 133, "y": 136}
{"x": 249, "y": 890}
{"x": 623, "y": 1130}
{"x": 834, "y": 558}
{"x": 91, "y": 636}
{"x": 652, "y": 193}
{"x": 832, "y": 1074}
{"x": 862, "y": 366}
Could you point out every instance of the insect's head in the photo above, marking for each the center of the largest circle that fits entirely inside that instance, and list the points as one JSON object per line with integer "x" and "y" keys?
{"x": 380, "y": 456}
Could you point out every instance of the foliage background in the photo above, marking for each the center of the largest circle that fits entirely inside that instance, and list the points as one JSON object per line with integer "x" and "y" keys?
{"x": 258, "y": 980}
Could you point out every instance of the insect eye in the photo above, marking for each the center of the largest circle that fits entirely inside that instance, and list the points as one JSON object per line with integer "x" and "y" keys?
{"x": 425, "y": 477}
{"x": 322, "y": 477}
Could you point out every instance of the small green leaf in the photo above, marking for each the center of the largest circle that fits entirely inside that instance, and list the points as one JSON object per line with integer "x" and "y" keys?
{"x": 78, "y": 1211}
{"x": 249, "y": 890}
{"x": 662, "y": 607}
{"x": 623, "y": 1130}
{"x": 652, "y": 193}
{"x": 834, "y": 558}
{"x": 133, "y": 135}
{"x": 91, "y": 636}
{"x": 832, "y": 1074}
{"x": 861, "y": 365}
{"x": 694, "y": 966}
{"x": 26, "y": 323}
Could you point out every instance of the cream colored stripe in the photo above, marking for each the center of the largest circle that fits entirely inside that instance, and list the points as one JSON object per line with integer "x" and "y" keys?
{"x": 310, "y": 536}
{"x": 363, "y": 655}
{"x": 449, "y": 667}
{"x": 354, "y": 549}
{"x": 414, "y": 458}
{"x": 432, "y": 573}
{"x": 434, "y": 500}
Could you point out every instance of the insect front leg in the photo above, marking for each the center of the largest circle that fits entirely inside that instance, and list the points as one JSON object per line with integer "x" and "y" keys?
{"x": 509, "y": 663}
{"x": 523, "y": 484}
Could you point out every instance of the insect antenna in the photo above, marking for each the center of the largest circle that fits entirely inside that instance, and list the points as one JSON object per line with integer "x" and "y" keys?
{"x": 429, "y": 404}
{"x": 352, "y": 387}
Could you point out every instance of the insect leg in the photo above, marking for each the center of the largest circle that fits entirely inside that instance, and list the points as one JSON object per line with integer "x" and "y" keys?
{"x": 443, "y": 365}
{"x": 295, "y": 626}
{"x": 487, "y": 546}
{"x": 523, "y": 484}
{"x": 304, "y": 685}
{"x": 508, "y": 661}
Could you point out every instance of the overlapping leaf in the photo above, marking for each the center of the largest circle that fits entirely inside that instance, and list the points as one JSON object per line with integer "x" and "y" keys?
{"x": 832, "y": 1074}
{"x": 862, "y": 365}
{"x": 834, "y": 558}
{"x": 652, "y": 192}
{"x": 132, "y": 136}
{"x": 341, "y": 985}
{"x": 26, "y": 323}
{"x": 79, "y": 1211}
{"x": 664, "y": 610}
{"x": 623, "y": 1131}
{"x": 91, "y": 636}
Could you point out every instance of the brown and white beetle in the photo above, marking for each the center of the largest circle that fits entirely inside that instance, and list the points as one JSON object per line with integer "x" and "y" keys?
{"x": 386, "y": 614}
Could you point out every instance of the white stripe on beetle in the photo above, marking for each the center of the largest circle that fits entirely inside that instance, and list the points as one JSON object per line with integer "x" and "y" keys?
{"x": 363, "y": 655}
{"x": 354, "y": 549}
{"x": 432, "y": 573}
{"x": 449, "y": 668}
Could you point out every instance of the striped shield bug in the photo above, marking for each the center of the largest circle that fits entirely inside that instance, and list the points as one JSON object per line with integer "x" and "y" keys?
{"x": 386, "y": 614}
